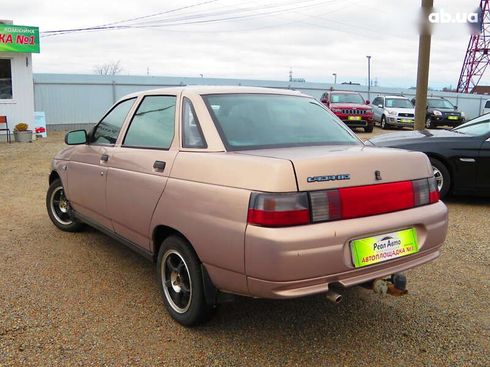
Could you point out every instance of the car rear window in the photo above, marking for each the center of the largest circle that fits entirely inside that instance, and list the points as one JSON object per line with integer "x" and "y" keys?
{"x": 255, "y": 121}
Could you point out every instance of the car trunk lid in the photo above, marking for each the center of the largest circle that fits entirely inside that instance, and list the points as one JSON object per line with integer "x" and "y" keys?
{"x": 328, "y": 167}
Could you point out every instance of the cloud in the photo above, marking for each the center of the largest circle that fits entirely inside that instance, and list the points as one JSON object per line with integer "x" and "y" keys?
{"x": 316, "y": 39}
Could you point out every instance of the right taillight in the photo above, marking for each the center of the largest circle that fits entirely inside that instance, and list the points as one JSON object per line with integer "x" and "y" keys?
{"x": 425, "y": 191}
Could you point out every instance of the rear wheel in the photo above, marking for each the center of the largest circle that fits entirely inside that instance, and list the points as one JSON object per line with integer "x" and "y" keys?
{"x": 181, "y": 283}
{"x": 59, "y": 209}
{"x": 441, "y": 174}
{"x": 384, "y": 124}
{"x": 369, "y": 129}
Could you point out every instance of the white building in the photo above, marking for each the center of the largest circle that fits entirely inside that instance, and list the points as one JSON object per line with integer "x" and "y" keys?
{"x": 16, "y": 83}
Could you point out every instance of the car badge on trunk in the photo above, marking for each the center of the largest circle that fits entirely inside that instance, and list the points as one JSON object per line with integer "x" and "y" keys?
{"x": 340, "y": 177}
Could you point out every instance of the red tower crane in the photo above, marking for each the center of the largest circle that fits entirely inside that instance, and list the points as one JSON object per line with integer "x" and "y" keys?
{"x": 478, "y": 53}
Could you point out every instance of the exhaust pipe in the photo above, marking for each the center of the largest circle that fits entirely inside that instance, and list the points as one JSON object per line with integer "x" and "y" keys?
{"x": 333, "y": 296}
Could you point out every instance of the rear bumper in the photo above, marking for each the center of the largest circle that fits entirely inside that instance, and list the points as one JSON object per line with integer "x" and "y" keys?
{"x": 305, "y": 260}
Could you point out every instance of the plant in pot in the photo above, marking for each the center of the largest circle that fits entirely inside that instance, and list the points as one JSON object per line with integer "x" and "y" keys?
{"x": 22, "y": 134}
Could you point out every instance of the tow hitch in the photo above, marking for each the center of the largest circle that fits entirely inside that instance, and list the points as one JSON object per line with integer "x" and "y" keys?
{"x": 396, "y": 285}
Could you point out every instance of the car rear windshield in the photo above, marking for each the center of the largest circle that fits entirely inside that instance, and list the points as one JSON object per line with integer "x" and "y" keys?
{"x": 346, "y": 98}
{"x": 254, "y": 121}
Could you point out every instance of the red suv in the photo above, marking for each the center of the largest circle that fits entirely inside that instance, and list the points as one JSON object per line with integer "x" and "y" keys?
{"x": 351, "y": 108}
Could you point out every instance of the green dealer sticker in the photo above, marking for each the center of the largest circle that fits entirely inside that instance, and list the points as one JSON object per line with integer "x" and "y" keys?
{"x": 373, "y": 250}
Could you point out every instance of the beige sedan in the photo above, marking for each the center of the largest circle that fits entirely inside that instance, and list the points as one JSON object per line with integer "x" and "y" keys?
{"x": 248, "y": 191}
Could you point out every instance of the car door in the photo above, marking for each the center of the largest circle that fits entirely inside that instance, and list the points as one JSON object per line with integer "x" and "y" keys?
{"x": 139, "y": 167}
{"x": 87, "y": 168}
{"x": 377, "y": 112}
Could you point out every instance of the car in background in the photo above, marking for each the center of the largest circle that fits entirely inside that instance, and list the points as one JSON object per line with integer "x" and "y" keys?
{"x": 250, "y": 191}
{"x": 441, "y": 112}
{"x": 393, "y": 111}
{"x": 486, "y": 107}
{"x": 351, "y": 108}
{"x": 460, "y": 157}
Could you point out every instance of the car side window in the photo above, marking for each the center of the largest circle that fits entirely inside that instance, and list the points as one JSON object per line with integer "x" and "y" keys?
{"x": 192, "y": 136}
{"x": 107, "y": 130}
{"x": 153, "y": 123}
{"x": 487, "y": 104}
{"x": 377, "y": 101}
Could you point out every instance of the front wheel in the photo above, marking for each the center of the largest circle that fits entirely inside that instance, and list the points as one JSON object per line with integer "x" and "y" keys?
{"x": 59, "y": 208}
{"x": 441, "y": 174}
{"x": 428, "y": 123}
{"x": 369, "y": 129}
{"x": 181, "y": 283}
{"x": 384, "y": 124}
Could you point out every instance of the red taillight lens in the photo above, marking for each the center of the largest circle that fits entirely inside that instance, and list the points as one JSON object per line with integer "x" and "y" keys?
{"x": 279, "y": 210}
{"x": 292, "y": 209}
{"x": 434, "y": 195}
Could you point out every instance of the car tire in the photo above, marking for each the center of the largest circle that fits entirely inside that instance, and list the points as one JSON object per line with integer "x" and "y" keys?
{"x": 59, "y": 210}
{"x": 429, "y": 124}
{"x": 369, "y": 129}
{"x": 181, "y": 282}
{"x": 384, "y": 124}
{"x": 442, "y": 176}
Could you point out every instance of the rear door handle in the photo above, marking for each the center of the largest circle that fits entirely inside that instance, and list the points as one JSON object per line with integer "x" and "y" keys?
{"x": 159, "y": 166}
{"x": 468, "y": 160}
{"x": 104, "y": 157}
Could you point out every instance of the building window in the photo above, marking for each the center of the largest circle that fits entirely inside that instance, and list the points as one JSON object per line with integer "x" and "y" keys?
{"x": 5, "y": 79}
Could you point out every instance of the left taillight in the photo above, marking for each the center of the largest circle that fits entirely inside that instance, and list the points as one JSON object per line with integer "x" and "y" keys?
{"x": 279, "y": 210}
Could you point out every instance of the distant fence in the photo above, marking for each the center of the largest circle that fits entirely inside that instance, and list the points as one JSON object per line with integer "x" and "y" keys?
{"x": 73, "y": 101}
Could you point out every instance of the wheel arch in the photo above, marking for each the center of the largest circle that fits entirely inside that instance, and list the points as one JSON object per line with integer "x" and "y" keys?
{"x": 53, "y": 176}
{"x": 160, "y": 233}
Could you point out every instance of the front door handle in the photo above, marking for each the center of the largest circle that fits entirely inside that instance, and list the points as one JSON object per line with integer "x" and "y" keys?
{"x": 104, "y": 158}
{"x": 159, "y": 166}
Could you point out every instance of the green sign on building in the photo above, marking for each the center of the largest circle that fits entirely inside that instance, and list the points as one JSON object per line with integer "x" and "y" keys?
{"x": 19, "y": 38}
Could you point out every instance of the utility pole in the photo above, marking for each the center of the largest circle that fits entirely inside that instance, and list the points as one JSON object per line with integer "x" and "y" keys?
{"x": 369, "y": 77}
{"x": 335, "y": 78}
{"x": 423, "y": 66}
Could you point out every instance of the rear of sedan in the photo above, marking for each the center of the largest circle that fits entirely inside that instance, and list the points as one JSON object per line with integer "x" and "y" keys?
{"x": 358, "y": 214}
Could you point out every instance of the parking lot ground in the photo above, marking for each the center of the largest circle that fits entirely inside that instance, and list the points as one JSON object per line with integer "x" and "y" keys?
{"x": 83, "y": 299}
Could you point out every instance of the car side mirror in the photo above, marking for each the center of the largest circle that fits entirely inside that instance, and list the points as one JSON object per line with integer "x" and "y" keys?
{"x": 368, "y": 101}
{"x": 324, "y": 100}
{"x": 76, "y": 137}
{"x": 380, "y": 106}
{"x": 455, "y": 108}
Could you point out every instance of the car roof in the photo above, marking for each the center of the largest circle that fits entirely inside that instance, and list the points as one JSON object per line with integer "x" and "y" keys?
{"x": 206, "y": 89}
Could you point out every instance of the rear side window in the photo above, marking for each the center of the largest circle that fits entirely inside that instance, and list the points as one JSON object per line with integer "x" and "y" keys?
{"x": 192, "y": 136}
{"x": 252, "y": 121}
{"x": 487, "y": 104}
{"x": 153, "y": 124}
{"x": 107, "y": 131}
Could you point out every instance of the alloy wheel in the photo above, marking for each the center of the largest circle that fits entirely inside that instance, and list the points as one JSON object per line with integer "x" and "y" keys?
{"x": 176, "y": 280}
{"x": 60, "y": 207}
{"x": 439, "y": 178}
